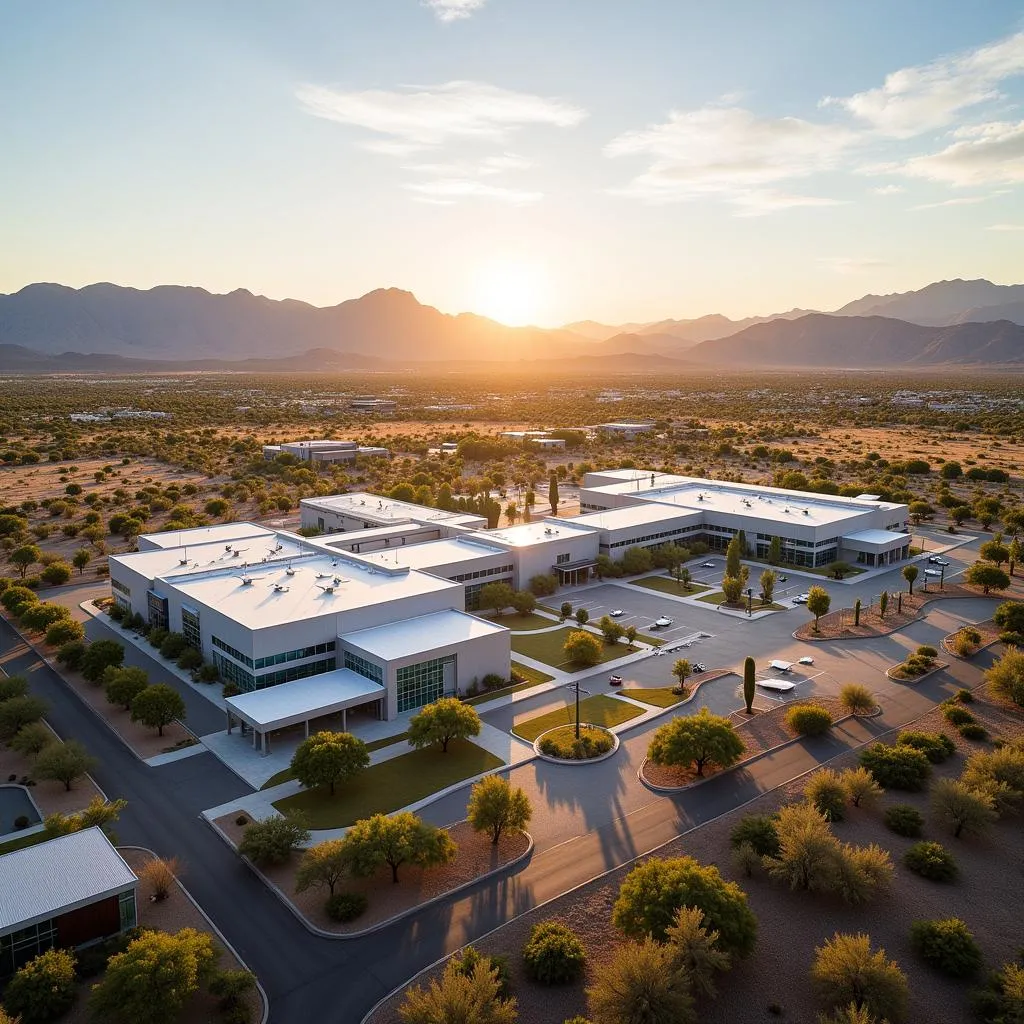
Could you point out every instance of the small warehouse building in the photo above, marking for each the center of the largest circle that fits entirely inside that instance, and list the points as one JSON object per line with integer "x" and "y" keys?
{"x": 64, "y": 893}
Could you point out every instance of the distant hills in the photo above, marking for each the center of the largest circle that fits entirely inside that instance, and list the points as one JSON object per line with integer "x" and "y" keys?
{"x": 106, "y": 328}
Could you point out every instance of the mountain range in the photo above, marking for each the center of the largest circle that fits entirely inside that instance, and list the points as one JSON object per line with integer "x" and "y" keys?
{"x": 107, "y": 328}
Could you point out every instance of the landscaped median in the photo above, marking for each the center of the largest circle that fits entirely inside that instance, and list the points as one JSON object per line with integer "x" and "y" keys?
{"x": 598, "y": 710}
{"x": 718, "y": 599}
{"x": 549, "y": 648}
{"x": 667, "y": 585}
{"x": 917, "y": 666}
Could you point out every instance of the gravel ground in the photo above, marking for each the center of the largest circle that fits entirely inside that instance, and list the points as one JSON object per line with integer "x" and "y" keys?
{"x": 761, "y": 731}
{"x": 792, "y": 924}
{"x": 476, "y": 856}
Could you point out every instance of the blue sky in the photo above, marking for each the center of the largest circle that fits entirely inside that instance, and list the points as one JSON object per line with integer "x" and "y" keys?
{"x": 535, "y": 160}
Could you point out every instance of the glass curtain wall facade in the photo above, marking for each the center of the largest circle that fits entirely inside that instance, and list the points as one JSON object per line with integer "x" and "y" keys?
{"x": 424, "y": 683}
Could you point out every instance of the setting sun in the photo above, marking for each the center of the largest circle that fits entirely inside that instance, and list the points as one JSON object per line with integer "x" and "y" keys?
{"x": 511, "y": 292}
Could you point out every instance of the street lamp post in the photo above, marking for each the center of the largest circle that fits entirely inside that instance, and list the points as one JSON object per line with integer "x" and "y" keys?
{"x": 576, "y": 684}
{"x": 750, "y": 597}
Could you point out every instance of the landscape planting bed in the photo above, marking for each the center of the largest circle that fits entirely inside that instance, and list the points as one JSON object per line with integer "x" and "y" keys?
{"x": 667, "y": 585}
{"x": 549, "y": 648}
{"x": 597, "y": 710}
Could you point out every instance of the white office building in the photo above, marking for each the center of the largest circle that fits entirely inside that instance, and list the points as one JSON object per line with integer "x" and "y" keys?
{"x": 325, "y": 452}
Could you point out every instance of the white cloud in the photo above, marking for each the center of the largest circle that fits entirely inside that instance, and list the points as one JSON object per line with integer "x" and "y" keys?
{"x": 852, "y": 264}
{"x": 1006, "y": 227}
{"x": 983, "y": 154}
{"x": 888, "y": 190}
{"x": 448, "y": 190}
{"x": 959, "y": 201}
{"x": 919, "y": 99}
{"x": 731, "y": 153}
{"x": 425, "y": 116}
{"x": 453, "y": 10}
{"x": 759, "y": 202}
{"x": 473, "y": 169}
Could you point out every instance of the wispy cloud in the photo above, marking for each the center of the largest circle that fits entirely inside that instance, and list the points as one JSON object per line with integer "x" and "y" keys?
{"x": 472, "y": 169}
{"x": 760, "y": 202}
{"x": 449, "y": 190}
{"x": 959, "y": 201}
{"x": 426, "y": 116}
{"x": 915, "y": 100}
{"x": 981, "y": 154}
{"x": 888, "y": 190}
{"x": 453, "y": 10}
{"x": 1006, "y": 227}
{"x": 731, "y": 153}
{"x": 852, "y": 264}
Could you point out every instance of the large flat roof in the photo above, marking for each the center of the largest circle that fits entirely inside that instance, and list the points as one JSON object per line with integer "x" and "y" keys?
{"x": 625, "y": 516}
{"x": 168, "y": 561}
{"x": 375, "y": 508}
{"x": 277, "y": 707}
{"x": 223, "y": 533}
{"x": 41, "y": 881}
{"x": 422, "y": 633}
{"x": 259, "y": 604}
{"x": 546, "y": 531}
{"x": 432, "y": 553}
{"x": 878, "y": 537}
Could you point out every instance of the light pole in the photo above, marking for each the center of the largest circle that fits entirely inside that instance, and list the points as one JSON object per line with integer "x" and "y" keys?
{"x": 750, "y": 597}
{"x": 576, "y": 684}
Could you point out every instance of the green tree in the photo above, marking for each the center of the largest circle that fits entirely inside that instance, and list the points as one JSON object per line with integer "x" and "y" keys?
{"x": 856, "y": 612}
{"x": 99, "y": 656}
{"x": 326, "y": 758}
{"x": 322, "y": 865}
{"x": 768, "y": 580}
{"x": 445, "y": 720}
{"x": 640, "y": 986}
{"x": 123, "y": 685}
{"x": 630, "y": 633}
{"x": 496, "y": 596}
{"x": 652, "y": 893}
{"x": 394, "y": 841}
{"x": 610, "y": 629}
{"x": 910, "y": 574}
{"x": 494, "y": 807}
{"x": 699, "y": 739}
{"x": 157, "y": 706}
{"x": 636, "y": 560}
{"x": 860, "y": 787}
{"x": 695, "y": 950}
{"x": 733, "y": 555}
{"x": 846, "y": 971}
{"x": 21, "y": 558}
{"x": 44, "y": 989}
{"x": 553, "y": 493}
{"x": 808, "y": 851}
{"x": 988, "y": 577}
{"x": 749, "y": 681}
{"x": 582, "y": 616}
{"x": 994, "y": 551}
{"x": 153, "y": 979}
{"x": 63, "y": 762}
{"x": 732, "y": 588}
{"x": 470, "y": 998}
{"x": 31, "y": 738}
{"x": 965, "y": 810}
{"x": 64, "y": 631}
{"x": 19, "y": 712}
{"x": 1009, "y": 616}
{"x": 682, "y": 670}
{"x": 523, "y": 602}
{"x": 818, "y": 603}
{"x": 82, "y": 557}
{"x": 271, "y": 840}
{"x": 775, "y": 550}
{"x": 1006, "y": 676}
{"x": 13, "y": 686}
{"x": 582, "y": 648}
{"x": 56, "y": 574}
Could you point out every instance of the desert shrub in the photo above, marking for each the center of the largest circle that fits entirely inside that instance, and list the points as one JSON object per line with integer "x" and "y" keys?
{"x": 553, "y": 955}
{"x": 936, "y": 746}
{"x": 71, "y": 655}
{"x": 967, "y": 811}
{"x": 466, "y": 963}
{"x": 172, "y": 646}
{"x": 846, "y": 970}
{"x": 230, "y": 989}
{"x": 857, "y": 699}
{"x": 651, "y": 894}
{"x": 808, "y": 720}
{"x": 963, "y": 696}
{"x": 947, "y": 945}
{"x": 1012, "y": 638}
{"x": 1001, "y": 1001}
{"x": 271, "y": 840}
{"x": 43, "y": 989}
{"x": 904, "y": 820}
{"x": 1000, "y": 773}
{"x": 759, "y": 831}
{"x": 746, "y": 859}
{"x": 189, "y": 658}
{"x": 563, "y": 744}
{"x": 159, "y": 874}
{"x": 860, "y": 787}
{"x": 640, "y": 984}
{"x": 927, "y": 651}
{"x": 345, "y": 906}
{"x": 932, "y": 861}
{"x": 973, "y": 731}
{"x": 13, "y": 686}
{"x": 825, "y": 791}
{"x": 157, "y": 637}
{"x": 957, "y": 715}
{"x": 896, "y": 767}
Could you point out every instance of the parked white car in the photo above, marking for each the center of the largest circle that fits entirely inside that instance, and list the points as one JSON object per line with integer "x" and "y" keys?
{"x": 616, "y": 612}
{"x": 801, "y": 599}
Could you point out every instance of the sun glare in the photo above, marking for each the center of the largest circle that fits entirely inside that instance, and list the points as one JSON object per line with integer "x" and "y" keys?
{"x": 510, "y": 292}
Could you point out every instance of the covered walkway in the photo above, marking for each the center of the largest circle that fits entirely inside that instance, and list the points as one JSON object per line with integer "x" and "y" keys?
{"x": 300, "y": 701}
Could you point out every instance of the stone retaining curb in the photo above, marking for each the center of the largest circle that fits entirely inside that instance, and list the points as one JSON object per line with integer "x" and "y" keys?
{"x": 950, "y": 637}
{"x": 220, "y": 935}
{"x": 939, "y": 667}
{"x": 324, "y": 934}
{"x": 577, "y": 761}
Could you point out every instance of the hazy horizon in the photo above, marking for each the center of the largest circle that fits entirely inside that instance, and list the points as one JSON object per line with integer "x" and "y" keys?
{"x": 509, "y": 158}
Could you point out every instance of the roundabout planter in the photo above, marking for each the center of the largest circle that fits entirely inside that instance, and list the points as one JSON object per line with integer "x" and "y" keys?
{"x": 577, "y": 761}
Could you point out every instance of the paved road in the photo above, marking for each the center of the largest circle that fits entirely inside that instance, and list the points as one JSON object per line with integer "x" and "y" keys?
{"x": 582, "y": 832}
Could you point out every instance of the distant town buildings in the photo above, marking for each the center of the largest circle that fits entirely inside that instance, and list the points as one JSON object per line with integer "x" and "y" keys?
{"x": 106, "y": 415}
{"x": 325, "y": 452}
{"x": 367, "y": 403}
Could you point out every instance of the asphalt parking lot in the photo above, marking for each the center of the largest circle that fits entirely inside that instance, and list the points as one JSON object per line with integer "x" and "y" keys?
{"x": 641, "y": 608}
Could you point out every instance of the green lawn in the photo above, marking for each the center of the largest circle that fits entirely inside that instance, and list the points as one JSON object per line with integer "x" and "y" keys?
{"x": 10, "y": 845}
{"x": 659, "y": 696}
{"x": 390, "y": 785}
{"x": 550, "y": 648}
{"x": 654, "y": 641}
{"x": 666, "y": 585}
{"x": 285, "y": 774}
{"x": 522, "y": 623}
{"x": 719, "y": 598}
{"x": 783, "y": 567}
{"x": 598, "y": 710}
